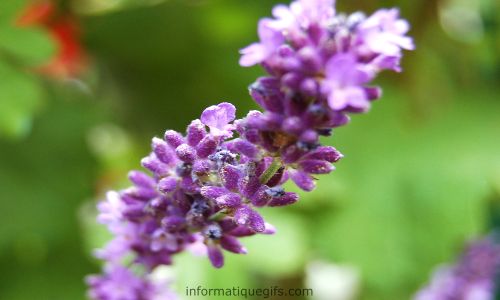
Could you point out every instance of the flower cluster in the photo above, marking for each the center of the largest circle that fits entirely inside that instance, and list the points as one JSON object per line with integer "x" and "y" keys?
{"x": 473, "y": 278}
{"x": 320, "y": 65}
{"x": 205, "y": 187}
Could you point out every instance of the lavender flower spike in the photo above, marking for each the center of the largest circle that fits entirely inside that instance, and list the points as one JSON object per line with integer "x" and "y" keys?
{"x": 205, "y": 188}
{"x": 472, "y": 278}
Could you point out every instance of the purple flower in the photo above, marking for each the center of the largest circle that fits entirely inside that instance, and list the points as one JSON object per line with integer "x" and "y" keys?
{"x": 118, "y": 283}
{"x": 344, "y": 84}
{"x": 303, "y": 13}
{"x": 218, "y": 117}
{"x": 270, "y": 40}
{"x": 472, "y": 278}
{"x": 383, "y": 33}
{"x": 205, "y": 188}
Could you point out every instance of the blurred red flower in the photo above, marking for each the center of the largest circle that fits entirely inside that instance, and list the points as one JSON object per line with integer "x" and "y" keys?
{"x": 70, "y": 58}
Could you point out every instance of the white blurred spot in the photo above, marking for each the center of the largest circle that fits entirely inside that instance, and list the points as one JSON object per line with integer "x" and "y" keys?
{"x": 108, "y": 141}
{"x": 332, "y": 282}
{"x": 461, "y": 20}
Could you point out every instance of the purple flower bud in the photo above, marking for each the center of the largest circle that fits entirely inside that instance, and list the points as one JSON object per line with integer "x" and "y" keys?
{"x": 327, "y": 153}
{"x": 302, "y": 180}
{"x": 215, "y": 256}
{"x": 314, "y": 166}
{"x": 285, "y": 199}
{"x": 163, "y": 151}
{"x": 212, "y": 192}
{"x": 195, "y": 132}
{"x": 167, "y": 184}
{"x": 140, "y": 193}
{"x": 232, "y": 244}
{"x": 309, "y": 136}
{"x": 141, "y": 179}
{"x": 242, "y": 231}
{"x": 249, "y": 184}
{"x": 173, "y": 223}
{"x": 309, "y": 87}
{"x": 261, "y": 197}
{"x": 373, "y": 93}
{"x": 230, "y": 176}
{"x": 154, "y": 165}
{"x": 266, "y": 92}
{"x": 244, "y": 147}
{"x": 173, "y": 138}
{"x": 247, "y": 217}
{"x": 189, "y": 185}
{"x": 185, "y": 153}
{"x": 201, "y": 167}
{"x": 163, "y": 240}
{"x": 293, "y": 125}
{"x": 292, "y": 80}
{"x": 230, "y": 200}
{"x": 207, "y": 146}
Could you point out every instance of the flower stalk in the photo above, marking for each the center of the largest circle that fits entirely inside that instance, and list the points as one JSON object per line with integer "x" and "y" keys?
{"x": 205, "y": 188}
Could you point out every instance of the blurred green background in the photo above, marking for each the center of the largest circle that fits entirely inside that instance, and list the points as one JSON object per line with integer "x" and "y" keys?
{"x": 415, "y": 184}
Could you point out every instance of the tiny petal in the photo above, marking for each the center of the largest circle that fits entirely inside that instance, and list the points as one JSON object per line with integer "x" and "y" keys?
{"x": 269, "y": 229}
{"x": 215, "y": 255}
{"x": 287, "y": 199}
{"x": 217, "y": 117}
{"x": 302, "y": 180}
{"x": 232, "y": 244}
{"x": 242, "y": 231}
{"x": 327, "y": 153}
{"x": 316, "y": 166}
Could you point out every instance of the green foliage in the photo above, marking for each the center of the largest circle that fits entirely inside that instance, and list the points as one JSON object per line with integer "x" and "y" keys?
{"x": 21, "y": 49}
{"x": 19, "y": 98}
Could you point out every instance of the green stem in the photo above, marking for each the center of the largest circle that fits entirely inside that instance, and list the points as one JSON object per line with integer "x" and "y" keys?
{"x": 271, "y": 171}
{"x": 218, "y": 215}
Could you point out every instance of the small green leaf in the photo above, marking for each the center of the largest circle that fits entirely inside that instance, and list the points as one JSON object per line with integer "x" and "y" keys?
{"x": 30, "y": 46}
{"x": 20, "y": 96}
